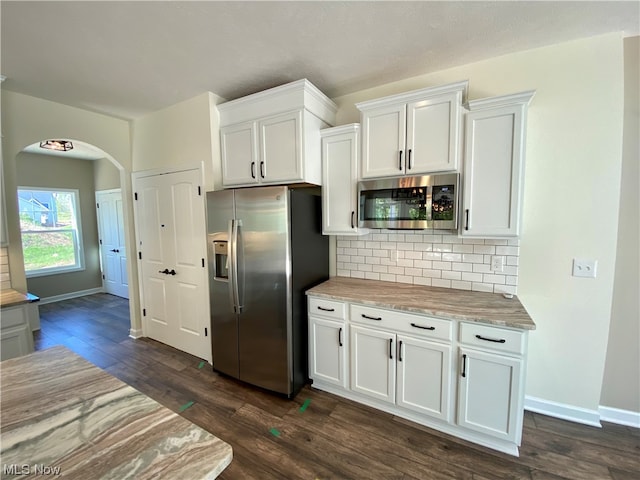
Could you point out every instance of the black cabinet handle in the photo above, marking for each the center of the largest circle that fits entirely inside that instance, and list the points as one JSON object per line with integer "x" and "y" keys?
{"x": 400, "y": 351}
{"x": 165, "y": 271}
{"x": 466, "y": 226}
{"x": 423, "y": 328}
{"x": 495, "y": 340}
{"x": 371, "y": 318}
{"x": 400, "y": 160}
{"x": 327, "y": 309}
{"x": 464, "y": 365}
{"x": 409, "y": 159}
{"x": 262, "y": 169}
{"x": 353, "y": 217}
{"x": 253, "y": 169}
{"x": 340, "y": 336}
{"x": 391, "y": 348}
{"x": 173, "y": 272}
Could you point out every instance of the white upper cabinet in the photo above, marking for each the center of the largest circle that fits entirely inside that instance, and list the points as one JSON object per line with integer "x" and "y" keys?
{"x": 413, "y": 133}
{"x": 340, "y": 158}
{"x": 493, "y": 175}
{"x": 273, "y": 137}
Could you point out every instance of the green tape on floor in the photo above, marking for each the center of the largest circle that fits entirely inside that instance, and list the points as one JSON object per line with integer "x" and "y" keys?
{"x": 305, "y": 404}
{"x": 185, "y": 406}
{"x": 275, "y": 432}
{"x": 201, "y": 364}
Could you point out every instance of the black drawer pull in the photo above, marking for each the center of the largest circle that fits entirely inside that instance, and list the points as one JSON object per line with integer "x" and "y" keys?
{"x": 423, "y": 328}
{"x": 400, "y": 351}
{"x": 371, "y": 318}
{"x": 391, "y": 348}
{"x": 340, "y": 336}
{"x": 464, "y": 365}
{"x": 495, "y": 340}
{"x": 353, "y": 216}
{"x": 327, "y": 309}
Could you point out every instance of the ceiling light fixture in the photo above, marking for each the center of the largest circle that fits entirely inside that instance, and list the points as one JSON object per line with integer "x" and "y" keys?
{"x": 57, "y": 145}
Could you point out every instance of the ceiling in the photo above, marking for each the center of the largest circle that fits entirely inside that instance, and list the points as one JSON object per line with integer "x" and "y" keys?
{"x": 128, "y": 59}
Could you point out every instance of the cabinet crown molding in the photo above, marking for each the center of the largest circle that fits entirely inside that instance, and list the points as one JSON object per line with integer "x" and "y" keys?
{"x": 284, "y": 98}
{"x": 417, "y": 95}
{"x": 340, "y": 129}
{"x": 523, "y": 98}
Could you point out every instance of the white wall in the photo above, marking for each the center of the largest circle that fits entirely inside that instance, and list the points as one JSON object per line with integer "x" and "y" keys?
{"x": 27, "y": 120}
{"x": 621, "y": 386}
{"x": 572, "y": 186}
{"x": 182, "y": 135}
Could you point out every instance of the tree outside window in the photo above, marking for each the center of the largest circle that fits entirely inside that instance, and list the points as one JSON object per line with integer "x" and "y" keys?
{"x": 50, "y": 226}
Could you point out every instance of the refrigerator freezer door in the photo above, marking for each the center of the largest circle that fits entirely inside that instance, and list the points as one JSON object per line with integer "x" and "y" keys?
{"x": 224, "y": 321}
{"x": 264, "y": 275}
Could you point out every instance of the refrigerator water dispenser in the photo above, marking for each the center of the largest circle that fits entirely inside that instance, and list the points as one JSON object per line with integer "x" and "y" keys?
{"x": 221, "y": 259}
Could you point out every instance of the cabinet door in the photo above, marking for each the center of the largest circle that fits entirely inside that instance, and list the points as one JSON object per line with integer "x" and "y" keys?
{"x": 494, "y": 168}
{"x": 488, "y": 394}
{"x": 424, "y": 377}
{"x": 281, "y": 148}
{"x": 327, "y": 351}
{"x": 433, "y": 135}
{"x": 383, "y": 141}
{"x": 373, "y": 364}
{"x": 339, "y": 182}
{"x": 239, "y": 154}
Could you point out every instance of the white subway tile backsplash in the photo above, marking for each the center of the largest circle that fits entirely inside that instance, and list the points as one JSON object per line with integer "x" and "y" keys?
{"x": 484, "y": 249}
{"x": 437, "y": 257}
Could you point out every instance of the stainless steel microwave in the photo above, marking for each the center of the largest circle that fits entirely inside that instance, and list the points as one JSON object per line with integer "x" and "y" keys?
{"x": 410, "y": 202}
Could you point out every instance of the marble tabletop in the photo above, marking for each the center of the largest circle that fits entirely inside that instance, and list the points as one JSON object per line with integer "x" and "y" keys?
{"x": 63, "y": 416}
{"x": 447, "y": 303}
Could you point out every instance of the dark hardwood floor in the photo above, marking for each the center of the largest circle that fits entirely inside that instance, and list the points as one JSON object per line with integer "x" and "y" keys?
{"x": 332, "y": 438}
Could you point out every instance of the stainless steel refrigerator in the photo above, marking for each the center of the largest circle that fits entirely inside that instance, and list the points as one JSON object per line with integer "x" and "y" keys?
{"x": 265, "y": 249}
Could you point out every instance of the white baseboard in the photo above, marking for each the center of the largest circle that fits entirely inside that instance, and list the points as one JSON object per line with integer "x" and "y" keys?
{"x": 136, "y": 333}
{"x": 621, "y": 417}
{"x": 562, "y": 411}
{"x": 67, "y": 296}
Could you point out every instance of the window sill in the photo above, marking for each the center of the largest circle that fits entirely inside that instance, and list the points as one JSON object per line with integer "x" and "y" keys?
{"x": 53, "y": 271}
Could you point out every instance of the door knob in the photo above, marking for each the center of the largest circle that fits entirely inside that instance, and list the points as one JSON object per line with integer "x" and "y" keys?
{"x": 115, "y": 250}
{"x": 172, "y": 272}
{"x": 165, "y": 271}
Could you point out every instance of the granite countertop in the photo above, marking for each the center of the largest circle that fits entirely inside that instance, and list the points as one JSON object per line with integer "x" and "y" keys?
{"x": 11, "y": 297}
{"x": 491, "y": 308}
{"x": 59, "y": 411}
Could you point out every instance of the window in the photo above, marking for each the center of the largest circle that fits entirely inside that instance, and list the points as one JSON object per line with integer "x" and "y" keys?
{"x": 51, "y": 234}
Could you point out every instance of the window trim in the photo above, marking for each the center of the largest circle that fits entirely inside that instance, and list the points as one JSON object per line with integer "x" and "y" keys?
{"x": 80, "y": 258}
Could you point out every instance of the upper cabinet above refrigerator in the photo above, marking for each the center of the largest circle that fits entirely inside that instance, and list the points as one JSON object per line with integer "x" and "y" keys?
{"x": 273, "y": 137}
{"x": 413, "y": 133}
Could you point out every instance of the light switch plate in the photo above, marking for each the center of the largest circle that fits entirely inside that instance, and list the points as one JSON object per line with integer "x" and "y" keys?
{"x": 584, "y": 267}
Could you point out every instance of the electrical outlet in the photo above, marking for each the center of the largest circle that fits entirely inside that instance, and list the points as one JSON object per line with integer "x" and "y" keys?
{"x": 497, "y": 263}
{"x": 584, "y": 267}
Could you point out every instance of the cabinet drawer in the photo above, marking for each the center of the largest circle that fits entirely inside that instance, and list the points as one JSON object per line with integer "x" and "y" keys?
{"x": 418, "y": 325}
{"x": 326, "y": 308}
{"x": 13, "y": 316}
{"x": 494, "y": 338}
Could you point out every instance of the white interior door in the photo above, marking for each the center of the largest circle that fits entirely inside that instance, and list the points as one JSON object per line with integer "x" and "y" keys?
{"x": 113, "y": 253}
{"x": 172, "y": 251}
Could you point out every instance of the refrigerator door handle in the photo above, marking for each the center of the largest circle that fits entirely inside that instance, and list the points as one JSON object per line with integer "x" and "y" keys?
{"x": 234, "y": 282}
{"x": 232, "y": 265}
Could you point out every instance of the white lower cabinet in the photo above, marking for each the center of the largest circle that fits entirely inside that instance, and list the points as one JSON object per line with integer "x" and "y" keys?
{"x": 488, "y": 394}
{"x": 424, "y": 377}
{"x": 404, "y": 364}
{"x": 327, "y": 351}
{"x": 373, "y": 365}
{"x": 16, "y": 338}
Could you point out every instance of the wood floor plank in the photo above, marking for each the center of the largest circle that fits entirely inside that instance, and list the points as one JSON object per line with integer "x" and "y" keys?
{"x": 331, "y": 438}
